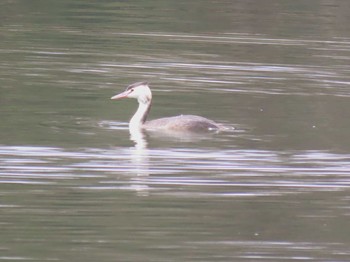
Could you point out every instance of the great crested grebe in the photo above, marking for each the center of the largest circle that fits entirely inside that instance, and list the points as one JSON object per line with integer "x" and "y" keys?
{"x": 143, "y": 94}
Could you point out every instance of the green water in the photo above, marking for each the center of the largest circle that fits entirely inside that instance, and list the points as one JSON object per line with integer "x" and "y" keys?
{"x": 74, "y": 186}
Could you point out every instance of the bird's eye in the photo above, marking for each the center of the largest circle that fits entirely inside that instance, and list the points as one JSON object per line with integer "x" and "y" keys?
{"x": 132, "y": 90}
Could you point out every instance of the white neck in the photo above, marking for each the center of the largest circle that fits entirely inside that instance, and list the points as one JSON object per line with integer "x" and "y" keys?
{"x": 140, "y": 116}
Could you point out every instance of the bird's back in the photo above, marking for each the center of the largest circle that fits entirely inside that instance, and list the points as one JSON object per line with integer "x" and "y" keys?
{"x": 190, "y": 123}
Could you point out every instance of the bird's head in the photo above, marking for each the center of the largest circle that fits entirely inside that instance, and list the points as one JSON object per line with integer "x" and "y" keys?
{"x": 139, "y": 90}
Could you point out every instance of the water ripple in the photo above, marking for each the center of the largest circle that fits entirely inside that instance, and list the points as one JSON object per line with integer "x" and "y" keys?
{"x": 179, "y": 171}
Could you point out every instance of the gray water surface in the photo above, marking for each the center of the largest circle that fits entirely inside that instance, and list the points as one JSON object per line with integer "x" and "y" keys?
{"x": 75, "y": 185}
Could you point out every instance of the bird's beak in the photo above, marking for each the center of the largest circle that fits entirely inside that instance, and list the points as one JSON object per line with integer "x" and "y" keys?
{"x": 121, "y": 95}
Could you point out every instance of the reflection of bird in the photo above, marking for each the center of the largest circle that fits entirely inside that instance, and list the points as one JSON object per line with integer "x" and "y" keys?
{"x": 143, "y": 94}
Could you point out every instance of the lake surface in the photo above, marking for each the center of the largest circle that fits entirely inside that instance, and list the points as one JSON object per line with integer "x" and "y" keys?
{"x": 75, "y": 185}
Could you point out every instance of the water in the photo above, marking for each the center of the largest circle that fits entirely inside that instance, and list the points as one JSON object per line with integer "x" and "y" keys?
{"x": 76, "y": 186}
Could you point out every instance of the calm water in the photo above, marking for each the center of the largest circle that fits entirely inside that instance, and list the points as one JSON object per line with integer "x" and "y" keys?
{"x": 76, "y": 186}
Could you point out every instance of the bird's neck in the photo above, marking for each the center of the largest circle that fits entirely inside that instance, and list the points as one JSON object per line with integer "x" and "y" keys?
{"x": 140, "y": 116}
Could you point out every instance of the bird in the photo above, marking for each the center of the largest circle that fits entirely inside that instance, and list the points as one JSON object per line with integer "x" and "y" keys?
{"x": 182, "y": 123}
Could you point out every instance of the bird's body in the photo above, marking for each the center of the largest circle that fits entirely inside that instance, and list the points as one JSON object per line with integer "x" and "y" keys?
{"x": 143, "y": 94}
{"x": 182, "y": 122}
